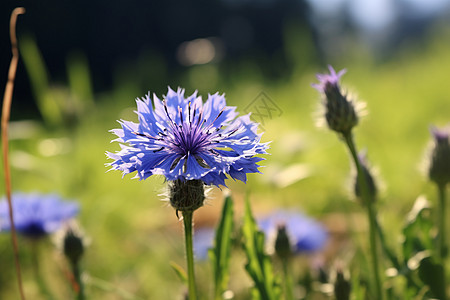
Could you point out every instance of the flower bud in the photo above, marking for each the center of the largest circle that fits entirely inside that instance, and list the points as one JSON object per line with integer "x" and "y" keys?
{"x": 340, "y": 113}
{"x": 439, "y": 169}
{"x": 342, "y": 287}
{"x": 282, "y": 244}
{"x": 370, "y": 183}
{"x": 73, "y": 246}
{"x": 186, "y": 195}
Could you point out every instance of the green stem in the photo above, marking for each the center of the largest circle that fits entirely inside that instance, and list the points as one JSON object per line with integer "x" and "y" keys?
{"x": 442, "y": 230}
{"x": 37, "y": 271}
{"x": 288, "y": 283}
{"x": 77, "y": 275}
{"x": 371, "y": 213}
{"x": 187, "y": 219}
{"x": 442, "y": 247}
{"x": 394, "y": 260}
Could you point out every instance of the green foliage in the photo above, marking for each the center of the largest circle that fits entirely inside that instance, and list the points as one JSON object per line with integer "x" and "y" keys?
{"x": 220, "y": 253}
{"x": 432, "y": 274}
{"x": 39, "y": 79}
{"x": 419, "y": 250}
{"x": 181, "y": 273}
{"x": 259, "y": 266}
{"x": 417, "y": 229}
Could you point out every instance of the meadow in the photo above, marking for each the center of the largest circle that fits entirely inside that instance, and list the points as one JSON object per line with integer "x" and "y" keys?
{"x": 133, "y": 235}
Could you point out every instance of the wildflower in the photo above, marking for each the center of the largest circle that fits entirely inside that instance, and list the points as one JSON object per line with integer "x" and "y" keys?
{"x": 36, "y": 215}
{"x": 185, "y": 139}
{"x": 340, "y": 113}
{"x": 439, "y": 169}
{"x": 303, "y": 234}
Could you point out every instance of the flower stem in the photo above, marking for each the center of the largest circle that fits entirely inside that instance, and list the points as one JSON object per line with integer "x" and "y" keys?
{"x": 371, "y": 213}
{"x": 187, "y": 219}
{"x": 442, "y": 247}
{"x": 37, "y": 271}
{"x": 77, "y": 276}
{"x": 288, "y": 284}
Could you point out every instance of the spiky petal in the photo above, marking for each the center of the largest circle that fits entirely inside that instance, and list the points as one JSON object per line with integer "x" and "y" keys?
{"x": 183, "y": 138}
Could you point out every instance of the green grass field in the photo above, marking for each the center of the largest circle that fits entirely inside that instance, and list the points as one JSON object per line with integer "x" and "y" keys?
{"x": 134, "y": 234}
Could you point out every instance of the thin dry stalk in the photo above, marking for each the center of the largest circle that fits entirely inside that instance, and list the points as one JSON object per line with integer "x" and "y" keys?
{"x": 7, "y": 99}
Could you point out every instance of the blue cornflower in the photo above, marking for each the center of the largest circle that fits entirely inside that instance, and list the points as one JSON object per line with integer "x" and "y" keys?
{"x": 185, "y": 139}
{"x": 303, "y": 233}
{"x": 36, "y": 215}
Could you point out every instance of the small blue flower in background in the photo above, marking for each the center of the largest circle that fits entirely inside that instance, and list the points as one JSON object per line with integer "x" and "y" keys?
{"x": 304, "y": 233}
{"x": 183, "y": 138}
{"x": 203, "y": 241}
{"x": 36, "y": 215}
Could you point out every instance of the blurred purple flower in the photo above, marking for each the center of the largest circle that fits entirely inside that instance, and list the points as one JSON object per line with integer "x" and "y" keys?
{"x": 36, "y": 215}
{"x": 203, "y": 241}
{"x": 304, "y": 233}
{"x": 340, "y": 113}
{"x": 186, "y": 139}
{"x": 328, "y": 80}
{"x": 440, "y": 135}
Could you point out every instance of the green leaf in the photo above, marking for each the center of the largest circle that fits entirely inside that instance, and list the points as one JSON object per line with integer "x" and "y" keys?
{"x": 220, "y": 253}
{"x": 358, "y": 290}
{"x": 432, "y": 274}
{"x": 259, "y": 265}
{"x": 417, "y": 229}
{"x": 180, "y": 272}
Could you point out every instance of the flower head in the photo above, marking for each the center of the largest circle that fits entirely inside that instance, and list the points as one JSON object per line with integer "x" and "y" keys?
{"x": 439, "y": 169}
{"x": 183, "y": 138}
{"x": 340, "y": 113}
{"x": 329, "y": 81}
{"x": 36, "y": 215}
{"x": 304, "y": 234}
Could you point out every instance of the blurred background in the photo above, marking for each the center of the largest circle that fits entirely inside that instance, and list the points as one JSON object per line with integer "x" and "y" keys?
{"x": 84, "y": 62}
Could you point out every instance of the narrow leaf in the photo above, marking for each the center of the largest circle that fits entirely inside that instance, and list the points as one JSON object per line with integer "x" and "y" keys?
{"x": 259, "y": 266}
{"x": 180, "y": 272}
{"x": 220, "y": 253}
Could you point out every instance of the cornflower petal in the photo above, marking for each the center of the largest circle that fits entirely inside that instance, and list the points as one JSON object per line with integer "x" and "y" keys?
{"x": 183, "y": 138}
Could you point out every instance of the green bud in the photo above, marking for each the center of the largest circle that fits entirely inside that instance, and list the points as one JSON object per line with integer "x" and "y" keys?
{"x": 342, "y": 287}
{"x": 340, "y": 112}
{"x": 370, "y": 182}
{"x": 187, "y": 195}
{"x": 282, "y": 243}
{"x": 73, "y": 246}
